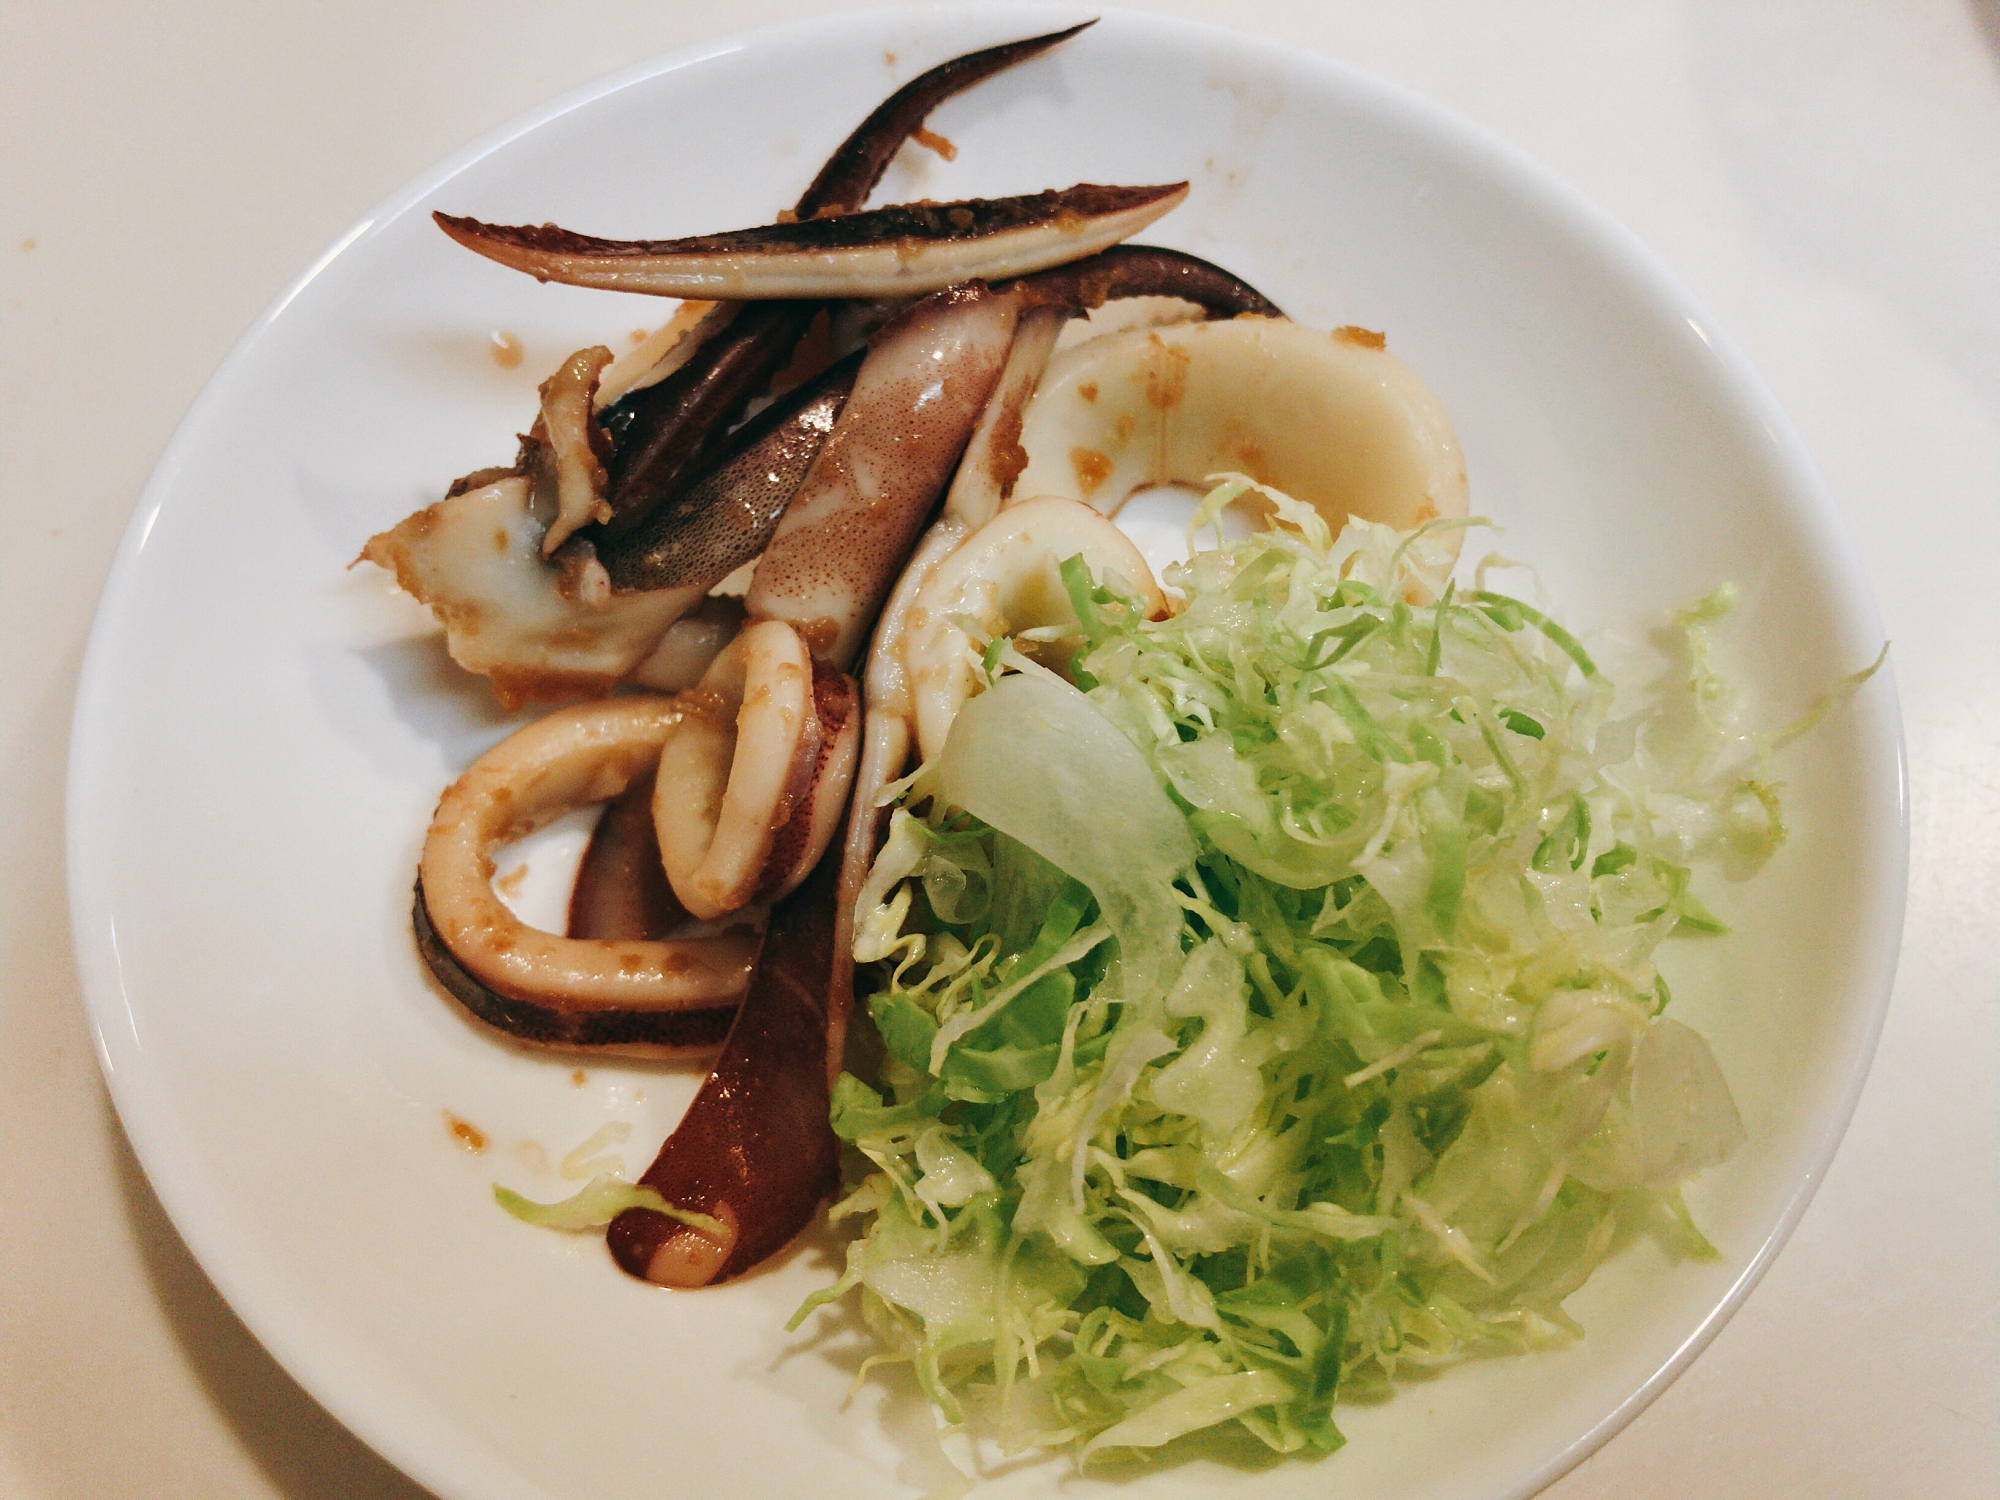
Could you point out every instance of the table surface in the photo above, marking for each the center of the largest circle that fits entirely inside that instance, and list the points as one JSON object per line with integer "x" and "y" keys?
{"x": 1825, "y": 174}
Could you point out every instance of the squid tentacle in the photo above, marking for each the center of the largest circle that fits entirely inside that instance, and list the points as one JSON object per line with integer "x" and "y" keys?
{"x": 907, "y": 249}
{"x": 662, "y": 430}
{"x": 855, "y": 168}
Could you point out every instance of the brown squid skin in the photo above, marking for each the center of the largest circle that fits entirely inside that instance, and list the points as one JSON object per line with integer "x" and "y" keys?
{"x": 841, "y": 542}
{"x": 852, "y": 172}
{"x": 755, "y": 1149}
{"x": 664, "y": 431}
{"x": 722, "y": 520}
{"x": 661, "y": 432}
{"x": 798, "y": 846}
{"x": 621, "y": 889}
{"x": 906, "y": 249}
{"x": 1145, "y": 271}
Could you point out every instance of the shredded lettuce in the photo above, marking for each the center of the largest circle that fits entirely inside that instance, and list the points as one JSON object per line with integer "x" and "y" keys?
{"x": 1271, "y": 1010}
{"x": 601, "y": 1200}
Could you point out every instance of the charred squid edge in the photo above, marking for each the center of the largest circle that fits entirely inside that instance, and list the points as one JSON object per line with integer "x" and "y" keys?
{"x": 647, "y": 1032}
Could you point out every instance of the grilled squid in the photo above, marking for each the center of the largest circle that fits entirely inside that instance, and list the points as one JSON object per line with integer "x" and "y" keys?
{"x": 1002, "y": 580}
{"x": 724, "y": 519}
{"x": 632, "y": 994}
{"x": 753, "y": 779}
{"x": 1334, "y": 420}
{"x": 917, "y": 397}
{"x": 514, "y": 560}
{"x": 591, "y": 563}
{"x": 535, "y": 629}
{"x": 902, "y": 251}
{"x": 754, "y": 1152}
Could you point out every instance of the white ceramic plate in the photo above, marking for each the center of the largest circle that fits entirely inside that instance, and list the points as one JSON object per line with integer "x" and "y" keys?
{"x": 261, "y": 734}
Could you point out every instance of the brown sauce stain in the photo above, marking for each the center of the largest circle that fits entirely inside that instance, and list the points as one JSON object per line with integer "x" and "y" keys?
{"x": 1252, "y": 460}
{"x": 930, "y": 140}
{"x": 1092, "y": 468}
{"x": 1166, "y": 374}
{"x": 506, "y": 350}
{"x": 500, "y": 539}
{"x": 468, "y": 1135}
{"x": 1245, "y": 454}
{"x": 579, "y": 1078}
{"x": 706, "y": 706}
{"x": 30, "y": 244}
{"x": 510, "y": 883}
{"x": 818, "y": 635}
{"x": 637, "y": 335}
{"x": 1088, "y": 390}
{"x": 514, "y": 686}
{"x": 1006, "y": 458}
{"x": 1365, "y": 338}
{"x": 534, "y": 1156}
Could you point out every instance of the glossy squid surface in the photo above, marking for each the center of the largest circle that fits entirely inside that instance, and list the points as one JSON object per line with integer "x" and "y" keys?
{"x": 754, "y": 1149}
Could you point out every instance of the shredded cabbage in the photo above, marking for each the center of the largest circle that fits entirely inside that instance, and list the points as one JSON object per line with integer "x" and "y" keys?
{"x": 597, "y": 1203}
{"x": 1272, "y": 1011}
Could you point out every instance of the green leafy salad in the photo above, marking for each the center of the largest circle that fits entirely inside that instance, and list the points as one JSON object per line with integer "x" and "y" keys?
{"x": 1266, "y": 997}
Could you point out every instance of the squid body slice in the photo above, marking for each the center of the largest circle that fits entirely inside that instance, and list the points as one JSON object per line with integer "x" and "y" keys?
{"x": 731, "y": 771}
{"x": 1334, "y": 420}
{"x": 753, "y": 780}
{"x": 535, "y": 984}
{"x": 538, "y": 629}
{"x": 916, "y": 398}
{"x": 1002, "y": 580}
{"x": 754, "y": 1151}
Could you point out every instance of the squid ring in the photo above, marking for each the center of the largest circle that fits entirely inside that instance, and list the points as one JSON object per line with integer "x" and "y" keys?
{"x": 753, "y": 777}
{"x": 1334, "y": 420}
{"x": 1002, "y": 579}
{"x": 569, "y": 991}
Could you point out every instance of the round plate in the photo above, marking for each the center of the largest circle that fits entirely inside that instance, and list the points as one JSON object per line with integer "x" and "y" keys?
{"x": 261, "y": 733}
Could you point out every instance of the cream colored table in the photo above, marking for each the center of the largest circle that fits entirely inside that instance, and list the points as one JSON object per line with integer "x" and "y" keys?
{"x": 1824, "y": 173}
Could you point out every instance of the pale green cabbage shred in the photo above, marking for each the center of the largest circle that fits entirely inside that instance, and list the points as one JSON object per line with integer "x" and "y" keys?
{"x": 1270, "y": 1007}
{"x": 596, "y": 1204}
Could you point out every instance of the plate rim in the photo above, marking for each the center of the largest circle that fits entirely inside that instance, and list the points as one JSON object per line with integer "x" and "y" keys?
{"x": 145, "y": 1112}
